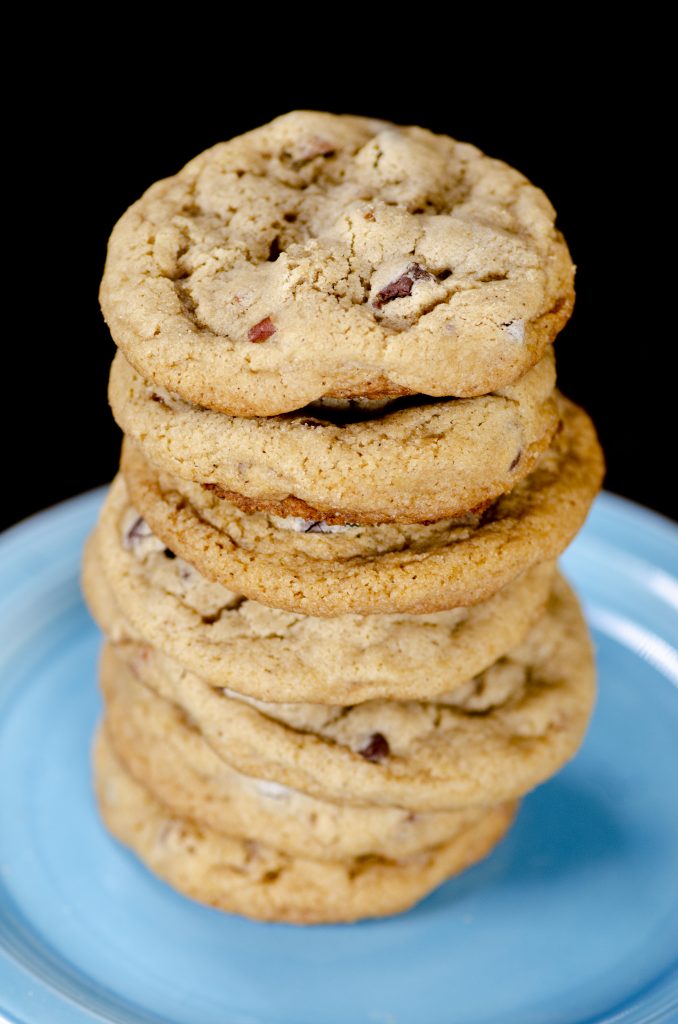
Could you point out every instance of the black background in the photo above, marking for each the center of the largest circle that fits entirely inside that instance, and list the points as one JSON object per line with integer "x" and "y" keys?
{"x": 574, "y": 133}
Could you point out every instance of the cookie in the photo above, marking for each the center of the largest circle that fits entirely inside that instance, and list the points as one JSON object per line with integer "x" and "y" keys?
{"x": 246, "y": 877}
{"x": 404, "y": 463}
{"x": 164, "y": 751}
{"x": 342, "y": 256}
{"x": 490, "y": 740}
{"x": 416, "y": 568}
{"x": 277, "y": 655}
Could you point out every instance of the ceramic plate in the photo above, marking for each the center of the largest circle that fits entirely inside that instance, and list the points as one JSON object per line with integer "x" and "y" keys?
{"x": 574, "y": 917}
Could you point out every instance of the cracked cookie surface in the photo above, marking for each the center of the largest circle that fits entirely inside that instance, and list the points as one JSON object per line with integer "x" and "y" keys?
{"x": 404, "y": 464}
{"x": 245, "y": 877}
{"x": 388, "y": 568}
{"x": 137, "y": 590}
{"x": 489, "y": 740}
{"x": 341, "y": 256}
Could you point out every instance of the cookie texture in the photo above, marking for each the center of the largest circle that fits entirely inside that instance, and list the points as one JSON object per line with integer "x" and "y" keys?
{"x": 487, "y": 741}
{"x": 164, "y": 750}
{"x": 415, "y": 568}
{"x": 342, "y": 256}
{"x": 278, "y": 655}
{"x": 408, "y": 463}
{"x": 246, "y": 877}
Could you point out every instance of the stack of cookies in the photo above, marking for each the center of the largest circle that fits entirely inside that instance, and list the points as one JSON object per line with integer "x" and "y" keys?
{"x": 339, "y": 650}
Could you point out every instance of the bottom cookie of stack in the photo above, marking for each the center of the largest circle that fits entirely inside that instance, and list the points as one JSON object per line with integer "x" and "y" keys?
{"x": 245, "y": 877}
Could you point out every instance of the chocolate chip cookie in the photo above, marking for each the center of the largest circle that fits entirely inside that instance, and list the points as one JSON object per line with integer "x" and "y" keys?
{"x": 164, "y": 751}
{"x": 402, "y": 463}
{"x": 417, "y": 568}
{"x": 489, "y": 740}
{"x": 342, "y": 256}
{"x": 137, "y": 589}
{"x": 246, "y": 877}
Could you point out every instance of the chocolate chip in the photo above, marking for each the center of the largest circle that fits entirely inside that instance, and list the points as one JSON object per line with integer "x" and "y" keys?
{"x": 402, "y": 286}
{"x": 273, "y": 252}
{"x": 136, "y": 532}
{"x": 168, "y": 553}
{"x": 290, "y": 217}
{"x": 307, "y": 422}
{"x": 516, "y": 460}
{"x": 261, "y": 331}
{"x": 398, "y": 289}
{"x": 321, "y": 526}
{"x": 377, "y": 749}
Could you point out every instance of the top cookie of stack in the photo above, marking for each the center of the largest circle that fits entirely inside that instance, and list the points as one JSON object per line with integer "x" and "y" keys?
{"x": 280, "y": 301}
{"x": 325, "y": 256}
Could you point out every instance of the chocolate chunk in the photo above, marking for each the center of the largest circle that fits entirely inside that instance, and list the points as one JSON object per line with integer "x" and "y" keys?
{"x": 261, "y": 331}
{"x": 377, "y": 749}
{"x": 402, "y": 286}
{"x": 136, "y": 532}
{"x": 168, "y": 553}
{"x": 320, "y": 526}
{"x": 273, "y": 251}
{"x": 308, "y": 422}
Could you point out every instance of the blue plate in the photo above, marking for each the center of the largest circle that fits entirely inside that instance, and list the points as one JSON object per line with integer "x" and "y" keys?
{"x": 574, "y": 918}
